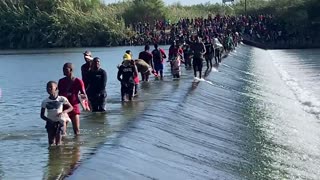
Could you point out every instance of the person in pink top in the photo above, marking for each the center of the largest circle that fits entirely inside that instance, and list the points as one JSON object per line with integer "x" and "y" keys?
{"x": 70, "y": 87}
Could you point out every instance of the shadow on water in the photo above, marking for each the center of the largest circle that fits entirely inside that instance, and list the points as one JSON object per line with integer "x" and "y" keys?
{"x": 61, "y": 160}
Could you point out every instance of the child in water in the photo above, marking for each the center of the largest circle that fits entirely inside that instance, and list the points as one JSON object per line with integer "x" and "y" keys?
{"x": 176, "y": 67}
{"x": 55, "y": 116}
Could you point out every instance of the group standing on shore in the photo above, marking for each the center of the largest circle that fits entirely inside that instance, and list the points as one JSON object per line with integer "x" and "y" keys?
{"x": 65, "y": 97}
{"x": 263, "y": 28}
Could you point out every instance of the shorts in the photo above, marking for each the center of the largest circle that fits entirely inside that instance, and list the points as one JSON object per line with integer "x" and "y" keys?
{"x": 75, "y": 111}
{"x": 158, "y": 67}
{"x": 54, "y": 128}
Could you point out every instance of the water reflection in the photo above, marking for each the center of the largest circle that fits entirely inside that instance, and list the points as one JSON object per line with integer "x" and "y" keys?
{"x": 62, "y": 159}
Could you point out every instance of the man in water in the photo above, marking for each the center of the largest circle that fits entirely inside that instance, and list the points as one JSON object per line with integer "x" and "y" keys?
{"x": 70, "y": 87}
{"x": 85, "y": 68}
{"x": 126, "y": 73}
{"x": 209, "y": 52}
{"x": 198, "y": 51}
{"x": 158, "y": 56}
{"x": 147, "y": 57}
{"x": 97, "y": 86}
{"x": 187, "y": 54}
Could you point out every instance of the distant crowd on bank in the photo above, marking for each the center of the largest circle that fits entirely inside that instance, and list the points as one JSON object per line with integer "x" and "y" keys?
{"x": 260, "y": 28}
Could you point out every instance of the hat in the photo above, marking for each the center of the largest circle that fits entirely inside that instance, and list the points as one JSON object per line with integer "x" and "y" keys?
{"x": 127, "y": 56}
{"x": 88, "y": 55}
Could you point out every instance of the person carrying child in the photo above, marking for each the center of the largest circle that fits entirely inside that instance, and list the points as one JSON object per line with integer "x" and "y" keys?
{"x": 56, "y": 117}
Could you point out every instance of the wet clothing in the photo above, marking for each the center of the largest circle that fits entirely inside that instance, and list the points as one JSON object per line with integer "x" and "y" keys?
{"x": 71, "y": 90}
{"x": 96, "y": 90}
{"x": 54, "y": 129}
{"x": 158, "y": 67}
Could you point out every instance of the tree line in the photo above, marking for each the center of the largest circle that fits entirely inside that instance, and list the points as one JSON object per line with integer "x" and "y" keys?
{"x": 79, "y": 23}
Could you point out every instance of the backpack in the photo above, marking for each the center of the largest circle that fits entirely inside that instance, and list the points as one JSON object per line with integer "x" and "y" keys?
{"x": 157, "y": 56}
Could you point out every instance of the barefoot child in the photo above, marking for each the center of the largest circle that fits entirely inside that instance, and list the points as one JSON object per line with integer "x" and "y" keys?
{"x": 55, "y": 117}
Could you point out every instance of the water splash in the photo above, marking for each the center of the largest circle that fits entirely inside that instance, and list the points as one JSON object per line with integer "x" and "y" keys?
{"x": 310, "y": 103}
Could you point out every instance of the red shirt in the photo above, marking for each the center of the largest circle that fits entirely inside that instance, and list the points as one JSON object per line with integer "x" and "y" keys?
{"x": 71, "y": 91}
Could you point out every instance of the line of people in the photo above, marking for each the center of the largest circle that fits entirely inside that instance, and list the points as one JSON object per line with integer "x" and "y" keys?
{"x": 66, "y": 95}
{"x": 63, "y": 104}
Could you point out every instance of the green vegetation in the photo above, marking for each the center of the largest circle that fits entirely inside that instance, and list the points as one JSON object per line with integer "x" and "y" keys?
{"x": 58, "y": 23}
{"x": 78, "y": 23}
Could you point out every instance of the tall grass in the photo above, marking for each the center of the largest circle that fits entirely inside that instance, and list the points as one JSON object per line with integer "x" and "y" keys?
{"x": 58, "y": 23}
{"x": 77, "y": 23}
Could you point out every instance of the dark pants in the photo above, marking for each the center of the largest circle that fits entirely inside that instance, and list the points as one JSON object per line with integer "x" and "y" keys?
{"x": 54, "y": 130}
{"x": 127, "y": 88}
{"x": 197, "y": 66}
{"x": 208, "y": 58}
{"x": 97, "y": 102}
{"x": 136, "y": 88}
{"x": 187, "y": 62}
{"x": 217, "y": 56}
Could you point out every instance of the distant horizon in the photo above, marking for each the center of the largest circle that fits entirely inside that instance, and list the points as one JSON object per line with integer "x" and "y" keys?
{"x": 182, "y": 2}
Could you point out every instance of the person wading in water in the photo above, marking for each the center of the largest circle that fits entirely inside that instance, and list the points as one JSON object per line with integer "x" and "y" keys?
{"x": 96, "y": 89}
{"x": 158, "y": 56}
{"x": 198, "y": 51}
{"x": 126, "y": 73}
{"x": 70, "y": 87}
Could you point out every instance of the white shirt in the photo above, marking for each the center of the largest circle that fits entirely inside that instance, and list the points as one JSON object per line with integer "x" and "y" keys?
{"x": 54, "y": 107}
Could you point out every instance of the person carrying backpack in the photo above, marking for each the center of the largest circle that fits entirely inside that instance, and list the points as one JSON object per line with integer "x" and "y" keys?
{"x": 158, "y": 56}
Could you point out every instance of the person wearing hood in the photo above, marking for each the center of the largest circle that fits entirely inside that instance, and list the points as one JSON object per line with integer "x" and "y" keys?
{"x": 127, "y": 55}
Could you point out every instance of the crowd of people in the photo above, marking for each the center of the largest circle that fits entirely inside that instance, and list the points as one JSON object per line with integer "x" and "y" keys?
{"x": 261, "y": 28}
{"x": 211, "y": 39}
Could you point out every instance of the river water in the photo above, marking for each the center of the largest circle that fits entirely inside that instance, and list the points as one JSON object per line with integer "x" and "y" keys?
{"x": 256, "y": 116}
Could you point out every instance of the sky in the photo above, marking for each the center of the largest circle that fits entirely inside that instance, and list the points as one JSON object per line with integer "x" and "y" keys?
{"x": 183, "y": 2}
